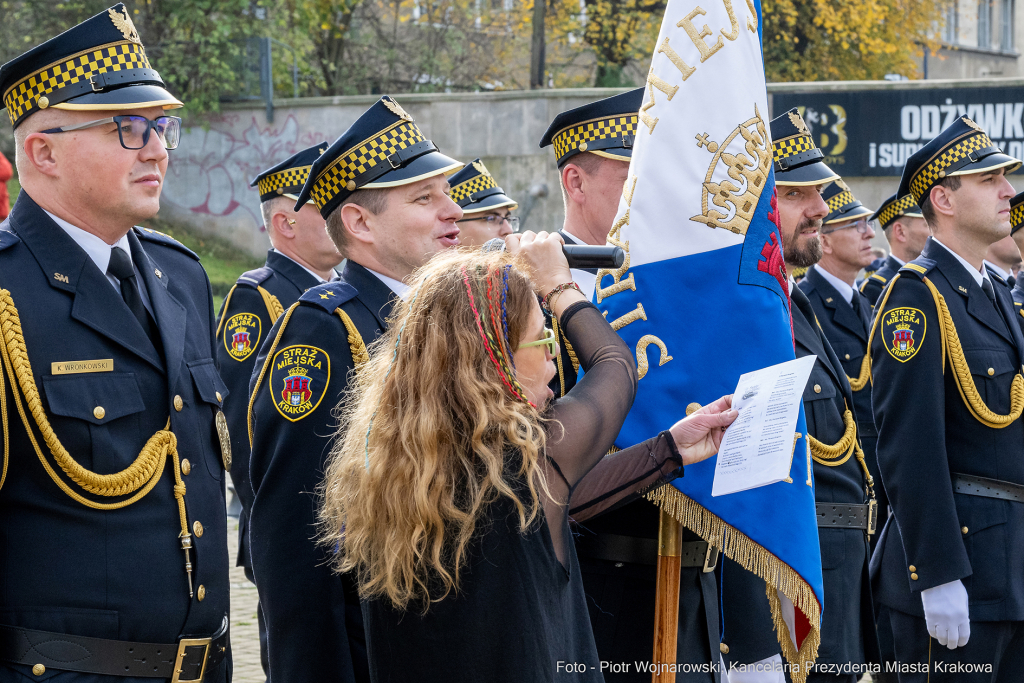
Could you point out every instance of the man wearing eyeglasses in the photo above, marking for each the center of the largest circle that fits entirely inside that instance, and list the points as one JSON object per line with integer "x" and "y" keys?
{"x": 114, "y": 553}
{"x": 486, "y": 209}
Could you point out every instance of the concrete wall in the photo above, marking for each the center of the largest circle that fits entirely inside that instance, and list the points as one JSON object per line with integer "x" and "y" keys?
{"x": 207, "y": 185}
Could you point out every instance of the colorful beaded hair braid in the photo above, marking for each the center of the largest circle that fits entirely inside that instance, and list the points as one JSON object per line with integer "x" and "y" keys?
{"x": 495, "y": 335}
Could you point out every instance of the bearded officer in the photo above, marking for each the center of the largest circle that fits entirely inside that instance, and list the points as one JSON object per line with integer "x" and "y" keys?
{"x": 382, "y": 189}
{"x": 842, "y": 483}
{"x": 301, "y": 256}
{"x": 112, "y": 510}
{"x": 906, "y": 231}
{"x": 948, "y": 395}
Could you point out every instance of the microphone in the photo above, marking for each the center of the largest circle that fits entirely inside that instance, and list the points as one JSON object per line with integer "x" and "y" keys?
{"x": 578, "y": 255}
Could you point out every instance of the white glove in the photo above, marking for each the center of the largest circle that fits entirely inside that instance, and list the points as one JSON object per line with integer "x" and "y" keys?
{"x": 946, "y": 614}
{"x": 771, "y": 671}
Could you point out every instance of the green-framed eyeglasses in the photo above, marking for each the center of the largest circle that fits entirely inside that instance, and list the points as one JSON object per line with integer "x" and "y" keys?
{"x": 549, "y": 340}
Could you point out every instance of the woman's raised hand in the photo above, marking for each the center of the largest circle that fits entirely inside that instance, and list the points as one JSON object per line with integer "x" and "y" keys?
{"x": 542, "y": 252}
{"x": 699, "y": 436}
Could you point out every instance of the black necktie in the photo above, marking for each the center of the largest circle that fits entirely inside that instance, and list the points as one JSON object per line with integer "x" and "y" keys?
{"x": 120, "y": 266}
{"x": 986, "y": 285}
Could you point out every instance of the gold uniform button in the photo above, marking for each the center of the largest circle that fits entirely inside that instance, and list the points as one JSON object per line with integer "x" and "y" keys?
{"x": 991, "y": 371}
{"x": 178, "y": 403}
{"x": 43, "y": 103}
{"x": 817, "y": 388}
{"x": 186, "y": 466}
{"x": 964, "y": 530}
{"x": 913, "y": 568}
{"x": 197, "y": 527}
{"x": 847, "y": 356}
{"x": 38, "y": 669}
{"x": 914, "y": 577}
{"x": 723, "y": 648}
{"x": 201, "y": 593}
{"x": 583, "y": 147}
{"x": 98, "y": 412}
{"x": 219, "y": 397}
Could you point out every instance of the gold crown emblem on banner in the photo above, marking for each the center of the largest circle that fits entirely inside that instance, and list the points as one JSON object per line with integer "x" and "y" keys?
{"x": 725, "y": 203}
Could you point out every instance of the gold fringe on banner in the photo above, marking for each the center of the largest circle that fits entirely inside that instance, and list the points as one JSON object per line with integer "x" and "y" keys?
{"x": 777, "y": 575}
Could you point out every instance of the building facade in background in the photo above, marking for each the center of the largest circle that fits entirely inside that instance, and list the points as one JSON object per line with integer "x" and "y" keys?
{"x": 980, "y": 38}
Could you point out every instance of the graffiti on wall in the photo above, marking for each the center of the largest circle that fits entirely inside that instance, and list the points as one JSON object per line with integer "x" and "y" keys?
{"x": 210, "y": 171}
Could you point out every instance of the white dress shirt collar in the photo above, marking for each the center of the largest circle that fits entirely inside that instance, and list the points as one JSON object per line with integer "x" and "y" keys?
{"x": 845, "y": 290}
{"x": 397, "y": 286}
{"x": 96, "y": 248}
{"x": 319, "y": 279}
{"x": 999, "y": 271}
{"x": 979, "y": 276}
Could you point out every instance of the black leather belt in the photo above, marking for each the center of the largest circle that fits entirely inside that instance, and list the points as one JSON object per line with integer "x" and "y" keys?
{"x": 988, "y": 488}
{"x": 186, "y": 661}
{"x": 842, "y": 516}
{"x": 633, "y": 550}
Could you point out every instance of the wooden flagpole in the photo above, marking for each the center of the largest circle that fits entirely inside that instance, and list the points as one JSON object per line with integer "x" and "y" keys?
{"x": 666, "y": 608}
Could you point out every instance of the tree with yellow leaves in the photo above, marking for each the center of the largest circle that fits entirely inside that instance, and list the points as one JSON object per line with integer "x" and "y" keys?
{"x": 816, "y": 40}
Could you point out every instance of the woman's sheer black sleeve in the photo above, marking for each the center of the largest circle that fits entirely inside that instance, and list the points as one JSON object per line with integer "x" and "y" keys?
{"x": 623, "y": 476}
{"x": 584, "y": 423}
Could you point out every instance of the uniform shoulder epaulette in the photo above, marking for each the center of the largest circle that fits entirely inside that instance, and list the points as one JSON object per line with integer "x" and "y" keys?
{"x": 8, "y": 239}
{"x": 919, "y": 267}
{"x": 876, "y": 276}
{"x": 329, "y": 295}
{"x": 254, "y": 278}
{"x": 167, "y": 240}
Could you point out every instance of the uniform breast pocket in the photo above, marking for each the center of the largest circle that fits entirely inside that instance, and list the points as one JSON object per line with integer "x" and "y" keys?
{"x": 211, "y": 391}
{"x": 992, "y": 371}
{"x": 819, "y": 405}
{"x": 106, "y": 406}
{"x": 850, "y": 355}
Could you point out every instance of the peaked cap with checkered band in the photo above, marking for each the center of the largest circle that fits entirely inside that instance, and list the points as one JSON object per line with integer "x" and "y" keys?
{"x": 1017, "y": 213}
{"x": 475, "y": 190}
{"x": 842, "y": 205}
{"x": 606, "y": 128}
{"x": 894, "y": 207}
{"x": 797, "y": 160}
{"x": 962, "y": 149}
{"x": 99, "y": 64}
{"x": 383, "y": 148}
{"x": 287, "y": 178}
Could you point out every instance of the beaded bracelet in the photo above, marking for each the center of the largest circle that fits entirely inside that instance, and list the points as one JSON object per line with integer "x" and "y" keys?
{"x": 558, "y": 290}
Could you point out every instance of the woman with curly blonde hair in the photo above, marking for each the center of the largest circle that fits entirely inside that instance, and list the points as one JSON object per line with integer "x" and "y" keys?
{"x": 448, "y": 491}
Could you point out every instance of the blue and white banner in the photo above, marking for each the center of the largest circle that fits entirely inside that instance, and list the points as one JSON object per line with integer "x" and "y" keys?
{"x": 703, "y": 295}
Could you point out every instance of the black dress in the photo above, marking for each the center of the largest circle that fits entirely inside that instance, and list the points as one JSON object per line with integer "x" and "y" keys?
{"x": 520, "y": 614}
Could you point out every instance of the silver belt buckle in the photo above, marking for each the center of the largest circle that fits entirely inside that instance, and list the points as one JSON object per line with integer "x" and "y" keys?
{"x": 180, "y": 659}
{"x": 710, "y": 559}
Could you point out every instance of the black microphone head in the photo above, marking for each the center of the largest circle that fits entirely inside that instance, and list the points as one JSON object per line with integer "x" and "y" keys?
{"x": 496, "y": 244}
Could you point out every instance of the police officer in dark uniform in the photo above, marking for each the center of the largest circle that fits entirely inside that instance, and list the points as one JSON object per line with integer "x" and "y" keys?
{"x": 112, "y": 510}
{"x": 486, "y": 209}
{"x": 1016, "y": 223}
{"x": 842, "y": 312}
{"x": 842, "y": 483}
{"x": 618, "y": 550}
{"x": 593, "y": 145}
{"x": 947, "y": 362}
{"x": 302, "y": 256}
{"x": 382, "y": 189}
{"x": 906, "y": 231}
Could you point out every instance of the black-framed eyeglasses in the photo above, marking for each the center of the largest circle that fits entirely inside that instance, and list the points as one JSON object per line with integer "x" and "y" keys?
{"x": 495, "y": 220}
{"x": 133, "y": 131}
{"x": 861, "y": 225}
